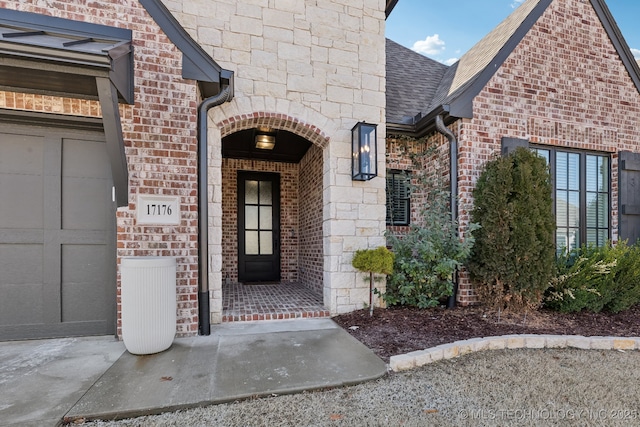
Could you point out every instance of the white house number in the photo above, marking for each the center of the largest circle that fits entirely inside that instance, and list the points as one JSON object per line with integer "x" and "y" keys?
{"x": 158, "y": 210}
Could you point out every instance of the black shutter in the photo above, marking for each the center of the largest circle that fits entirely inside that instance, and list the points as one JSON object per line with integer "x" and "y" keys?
{"x": 509, "y": 145}
{"x": 629, "y": 195}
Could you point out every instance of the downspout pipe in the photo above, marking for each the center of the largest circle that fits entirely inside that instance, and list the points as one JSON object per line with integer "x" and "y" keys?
{"x": 204, "y": 310}
{"x": 453, "y": 179}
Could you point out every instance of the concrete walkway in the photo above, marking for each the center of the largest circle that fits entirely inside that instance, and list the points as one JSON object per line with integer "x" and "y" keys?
{"x": 44, "y": 382}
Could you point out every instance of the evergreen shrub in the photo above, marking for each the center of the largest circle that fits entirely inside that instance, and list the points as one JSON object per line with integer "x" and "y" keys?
{"x": 513, "y": 258}
{"x": 596, "y": 279}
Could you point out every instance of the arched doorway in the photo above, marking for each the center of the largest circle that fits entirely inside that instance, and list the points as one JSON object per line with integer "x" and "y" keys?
{"x": 272, "y": 213}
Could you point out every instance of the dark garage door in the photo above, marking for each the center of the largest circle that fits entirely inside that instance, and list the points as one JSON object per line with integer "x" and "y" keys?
{"x": 57, "y": 234}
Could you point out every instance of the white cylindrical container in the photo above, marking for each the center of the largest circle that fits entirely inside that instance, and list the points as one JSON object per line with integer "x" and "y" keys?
{"x": 148, "y": 296}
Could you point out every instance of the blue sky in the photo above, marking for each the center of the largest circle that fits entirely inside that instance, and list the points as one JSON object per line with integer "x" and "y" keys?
{"x": 445, "y": 33}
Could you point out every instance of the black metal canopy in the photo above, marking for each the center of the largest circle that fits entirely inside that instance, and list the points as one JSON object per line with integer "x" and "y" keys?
{"x": 49, "y": 55}
{"x": 44, "y": 54}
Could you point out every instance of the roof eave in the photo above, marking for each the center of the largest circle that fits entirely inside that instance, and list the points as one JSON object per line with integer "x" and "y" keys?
{"x": 616, "y": 37}
{"x": 461, "y": 104}
{"x": 389, "y": 5}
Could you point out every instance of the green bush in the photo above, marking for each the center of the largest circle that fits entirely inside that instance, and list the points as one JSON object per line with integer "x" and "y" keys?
{"x": 514, "y": 252}
{"x": 378, "y": 261}
{"x": 428, "y": 254}
{"x": 425, "y": 263}
{"x": 373, "y": 261}
{"x": 596, "y": 279}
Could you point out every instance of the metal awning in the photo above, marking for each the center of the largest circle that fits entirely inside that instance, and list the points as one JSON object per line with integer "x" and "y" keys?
{"x": 55, "y": 56}
{"x": 50, "y": 55}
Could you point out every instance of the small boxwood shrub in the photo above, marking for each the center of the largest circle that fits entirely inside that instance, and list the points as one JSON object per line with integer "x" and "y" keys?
{"x": 596, "y": 279}
{"x": 513, "y": 258}
{"x": 373, "y": 261}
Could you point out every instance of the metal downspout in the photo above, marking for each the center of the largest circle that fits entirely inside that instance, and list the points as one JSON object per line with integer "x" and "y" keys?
{"x": 453, "y": 178}
{"x": 204, "y": 311}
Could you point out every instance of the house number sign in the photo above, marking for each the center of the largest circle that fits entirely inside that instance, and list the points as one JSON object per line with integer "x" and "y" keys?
{"x": 158, "y": 210}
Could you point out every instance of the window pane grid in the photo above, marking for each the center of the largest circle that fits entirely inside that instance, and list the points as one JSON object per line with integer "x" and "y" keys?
{"x": 582, "y": 206}
{"x": 597, "y": 172}
{"x": 258, "y": 218}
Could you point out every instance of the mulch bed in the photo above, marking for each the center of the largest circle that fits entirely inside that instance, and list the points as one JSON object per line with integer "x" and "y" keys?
{"x": 399, "y": 330}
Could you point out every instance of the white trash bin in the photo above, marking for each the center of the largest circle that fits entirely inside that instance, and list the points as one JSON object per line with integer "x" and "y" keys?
{"x": 148, "y": 296}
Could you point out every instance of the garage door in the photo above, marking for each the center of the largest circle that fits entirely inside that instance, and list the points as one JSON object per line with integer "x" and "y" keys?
{"x": 57, "y": 234}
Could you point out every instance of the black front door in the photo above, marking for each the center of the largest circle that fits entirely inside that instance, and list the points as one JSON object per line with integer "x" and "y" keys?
{"x": 258, "y": 227}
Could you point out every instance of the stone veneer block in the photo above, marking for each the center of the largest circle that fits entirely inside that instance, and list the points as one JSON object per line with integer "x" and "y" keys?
{"x": 497, "y": 343}
{"x": 555, "y": 341}
{"x": 535, "y": 341}
{"x": 514, "y": 341}
{"x": 467, "y": 346}
{"x": 422, "y": 358}
{"x": 624, "y": 344}
{"x": 402, "y": 362}
{"x": 449, "y": 351}
{"x": 436, "y": 353}
{"x": 481, "y": 345}
{"x": 578, "y": 341}
{"x": 601, "y": 343}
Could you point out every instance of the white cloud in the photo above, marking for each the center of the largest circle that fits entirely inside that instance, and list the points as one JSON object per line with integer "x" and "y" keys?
{"x": 516, "y": 3}
{"x": 450, "y": 61}
{"x": 636, "y": 53}
{"x": 432, "y": 45}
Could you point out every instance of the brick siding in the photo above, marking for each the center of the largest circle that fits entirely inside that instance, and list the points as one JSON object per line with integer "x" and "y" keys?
{"x": 160, "y": 139}
{"x": 564, "y": 85}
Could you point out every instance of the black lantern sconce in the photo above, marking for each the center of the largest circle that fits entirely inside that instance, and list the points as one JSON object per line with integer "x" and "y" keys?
{"x": 364, "y": 143}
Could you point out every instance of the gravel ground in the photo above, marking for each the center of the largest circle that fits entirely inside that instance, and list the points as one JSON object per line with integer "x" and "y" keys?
{"x": 502, "y": 387}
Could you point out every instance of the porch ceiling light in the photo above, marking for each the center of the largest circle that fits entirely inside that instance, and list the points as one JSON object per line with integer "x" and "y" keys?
{"x": 265, "y": 142}
{"x": 364, "y": 165}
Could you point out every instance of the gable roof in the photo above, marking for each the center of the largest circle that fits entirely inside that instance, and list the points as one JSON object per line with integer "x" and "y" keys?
{"x": 474, "y": 69}
{"x": 466, "y": 78}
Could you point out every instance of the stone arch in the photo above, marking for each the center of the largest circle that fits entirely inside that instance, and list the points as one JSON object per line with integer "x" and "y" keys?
{"x": 275, "y": 121}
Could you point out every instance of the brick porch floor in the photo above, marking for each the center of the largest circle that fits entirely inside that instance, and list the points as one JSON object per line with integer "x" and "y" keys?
{"x": 270, "y": 302}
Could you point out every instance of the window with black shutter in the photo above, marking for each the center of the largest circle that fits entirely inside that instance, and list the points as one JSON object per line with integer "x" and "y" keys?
{"x": 629, "y": 187}
{"x": 398, "y": 198}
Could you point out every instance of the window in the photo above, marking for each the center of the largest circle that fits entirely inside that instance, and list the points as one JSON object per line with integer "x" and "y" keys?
{"x": 581, "y": 196}
{"x": 398, "y": 191}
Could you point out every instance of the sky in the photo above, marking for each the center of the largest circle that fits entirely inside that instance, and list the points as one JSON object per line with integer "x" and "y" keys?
{"x": 445, "y": 33}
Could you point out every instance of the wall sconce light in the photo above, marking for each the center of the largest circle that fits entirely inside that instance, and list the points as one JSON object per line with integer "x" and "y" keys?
{"x": 364, "y": 164}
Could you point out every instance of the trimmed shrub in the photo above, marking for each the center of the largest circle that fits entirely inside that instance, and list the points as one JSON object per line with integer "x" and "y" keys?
{"x": 373, "y": 261}
{"x": 596, "y": 279}
{"x": 513, "y": 258}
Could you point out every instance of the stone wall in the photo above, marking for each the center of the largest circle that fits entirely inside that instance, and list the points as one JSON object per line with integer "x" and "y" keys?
{"x": 316, "y": 69}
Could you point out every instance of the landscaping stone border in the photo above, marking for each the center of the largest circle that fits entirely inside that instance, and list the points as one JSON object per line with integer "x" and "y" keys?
{"x": 418, "y": 358}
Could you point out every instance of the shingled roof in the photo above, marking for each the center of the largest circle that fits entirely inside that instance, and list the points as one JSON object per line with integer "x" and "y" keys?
{"x": 412, "y": 82}
{"x": 461, "y": 82}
